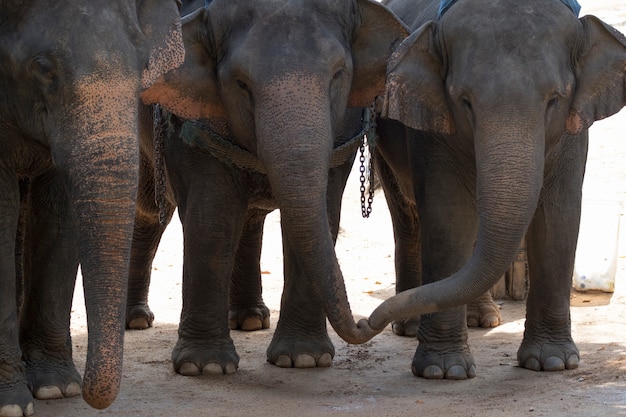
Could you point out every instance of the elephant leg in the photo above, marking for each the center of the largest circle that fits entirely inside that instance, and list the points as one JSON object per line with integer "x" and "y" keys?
{"x": 147, "y": 234}
{"x": 212, "y": 205}
{"x": 406, "y": 235}
{"x": 393, "y": 168}
{"x": 301, "y": 337}
{"x": 15, "y": 395}
{"x": 51, "y": 259}
{"x": 448, "y": 221}
{"x": 247, "y": 309}
{"x": 483, "y": 312}
{"x": 551, "y": 246}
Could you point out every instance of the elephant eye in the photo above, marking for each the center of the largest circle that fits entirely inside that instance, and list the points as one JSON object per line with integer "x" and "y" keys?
{"x": 553, "y": 102}
{"x": 466, "y": 103}
{"x": 468, "y": 109}
{"x": 241, "y": 84}
{"x": 44, "y": 71}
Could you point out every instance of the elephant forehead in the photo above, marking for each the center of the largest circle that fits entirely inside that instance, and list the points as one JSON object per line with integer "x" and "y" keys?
{"x": 516, "y": 27}
{"x": 240, "y": 15}
{"x": 444, "y": 5}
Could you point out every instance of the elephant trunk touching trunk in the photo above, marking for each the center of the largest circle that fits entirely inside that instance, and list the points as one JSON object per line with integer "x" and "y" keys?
{"x": 102, "y": 172}
{"x": 295, "y": 143}
{"x": 508, "y": 182}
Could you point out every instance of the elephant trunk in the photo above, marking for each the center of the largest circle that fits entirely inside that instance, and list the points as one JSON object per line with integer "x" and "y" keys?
{"x": 295, "y": 143}
{"x": 509, "y": 177}
{"x": 101, "y": 166}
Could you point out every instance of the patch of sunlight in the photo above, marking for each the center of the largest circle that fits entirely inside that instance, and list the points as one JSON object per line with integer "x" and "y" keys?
{"x": 512, "y": 327}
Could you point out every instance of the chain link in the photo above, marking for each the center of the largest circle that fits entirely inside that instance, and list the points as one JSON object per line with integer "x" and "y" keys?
{"x": 159, "y": 169}
{"x": 365, "y": 158}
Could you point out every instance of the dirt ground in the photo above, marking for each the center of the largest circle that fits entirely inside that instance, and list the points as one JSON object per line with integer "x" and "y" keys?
{"x": 375, "y": 379}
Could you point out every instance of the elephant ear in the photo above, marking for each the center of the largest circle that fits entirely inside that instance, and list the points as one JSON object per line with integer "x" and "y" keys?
{"x": 415, "y": 90}
{"x": 191, "y": 90}
{"x": 160, "y": 23}
{"x": 379, "y": 31}
{"x": 600, "y": 74}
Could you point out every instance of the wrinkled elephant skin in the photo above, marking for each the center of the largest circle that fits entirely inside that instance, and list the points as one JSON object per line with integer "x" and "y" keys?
{"x": 286, "y": 85}
{"x": 487, "y": 113}
{"x": 70, "y": 78}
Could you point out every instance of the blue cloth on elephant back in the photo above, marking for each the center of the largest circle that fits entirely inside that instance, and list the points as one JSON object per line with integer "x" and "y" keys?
{"x": 444, "y": 5}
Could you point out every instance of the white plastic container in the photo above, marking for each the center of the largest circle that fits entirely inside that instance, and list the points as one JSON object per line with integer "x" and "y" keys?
{"x": 598, "y": 240}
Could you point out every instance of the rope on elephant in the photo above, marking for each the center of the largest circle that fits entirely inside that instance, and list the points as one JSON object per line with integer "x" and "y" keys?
{"x": 158, "y": 132}
{"x": 199, "y": 134}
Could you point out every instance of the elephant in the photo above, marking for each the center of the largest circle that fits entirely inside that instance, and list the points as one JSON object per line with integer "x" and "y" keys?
{"x": 70, "y": 78}
{"x": 151, "y": 217}
{"x": 247, "y": 309}
{"x": 484, "y": 129}
{"x": 189, "y": 6}
{"x": 262, "y": 115}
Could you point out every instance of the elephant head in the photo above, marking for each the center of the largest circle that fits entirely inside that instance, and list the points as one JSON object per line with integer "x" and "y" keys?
{"x": 504, "y": 81}
{"x": 70, "y": 77}
{"x": 276, "y": 78}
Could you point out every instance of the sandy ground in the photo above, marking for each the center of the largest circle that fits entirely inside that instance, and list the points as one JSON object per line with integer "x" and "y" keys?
{"x": 375, "y": 379}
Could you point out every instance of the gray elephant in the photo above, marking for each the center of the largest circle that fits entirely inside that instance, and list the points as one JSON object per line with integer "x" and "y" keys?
{"x": 275, "y": 90}
{"x": 488, "y": 104}
{"x": 70, "y": 78}
{"x": 247, "y": 309}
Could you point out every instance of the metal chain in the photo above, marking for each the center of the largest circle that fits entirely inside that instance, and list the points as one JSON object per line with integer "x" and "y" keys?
{"x": 159, "y": 169}
{"x": 367, "y": 167}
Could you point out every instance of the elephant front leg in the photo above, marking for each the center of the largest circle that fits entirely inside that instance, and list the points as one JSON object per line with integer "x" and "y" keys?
{"x": 247, "y": 310}
{"x": 301, "y": 338}
{"x": 443, "y": 351}
{"x": 448, "y": 223}
{"x": 51, "y": 259}
{"x": 406, "y": 235}
{"x": 551, "y": 247}
{"x": 212, "y": 217}
{"x": 548, "y": 343}
{"x": 204, "y": 344}
{"x": 147, "y": 234}
{"x": 15, "y": 396}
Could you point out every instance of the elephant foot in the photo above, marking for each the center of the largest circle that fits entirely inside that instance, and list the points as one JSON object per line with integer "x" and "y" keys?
{"x": 443, "y": 363}
{"x": 16, "y": 399}
{"x": 483, "y": 312}
{"x": 53, "y": 378}
{"x": 193, "y": 359}
{"x": 14, "y": 410}
{"x": 407, "y": 327}
{"x": 301, "y": 351}
{"x": 139, "y": 317}
{"x": 548, "y": 356}
{"x": 249, "y": 319}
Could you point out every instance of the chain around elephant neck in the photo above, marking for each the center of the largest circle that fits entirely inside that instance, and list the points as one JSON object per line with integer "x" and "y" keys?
{"x": 206, "y": 138}
{"x": 368, "y": 143}
{"x": 158, "y": 133}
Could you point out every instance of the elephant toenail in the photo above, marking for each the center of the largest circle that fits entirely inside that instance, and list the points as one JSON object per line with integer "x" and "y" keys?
{"x": 189, "y": 369}
{"x": 325, "y": 360}
{"x": 73, "y": 389}
{"x": 230, "y": 369}
{"x": 456, "y": 372}
{"x": 48, "y": 392}
{"x": 533, "y": 364}
{"x": 572, "y": 362}
{"x": 553, "y": 364}
{"x": 433, "y": 372}
{"x": 304, "y": 361}
{"x": 213, "y": 369}
{"x": 283, "y": 361}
